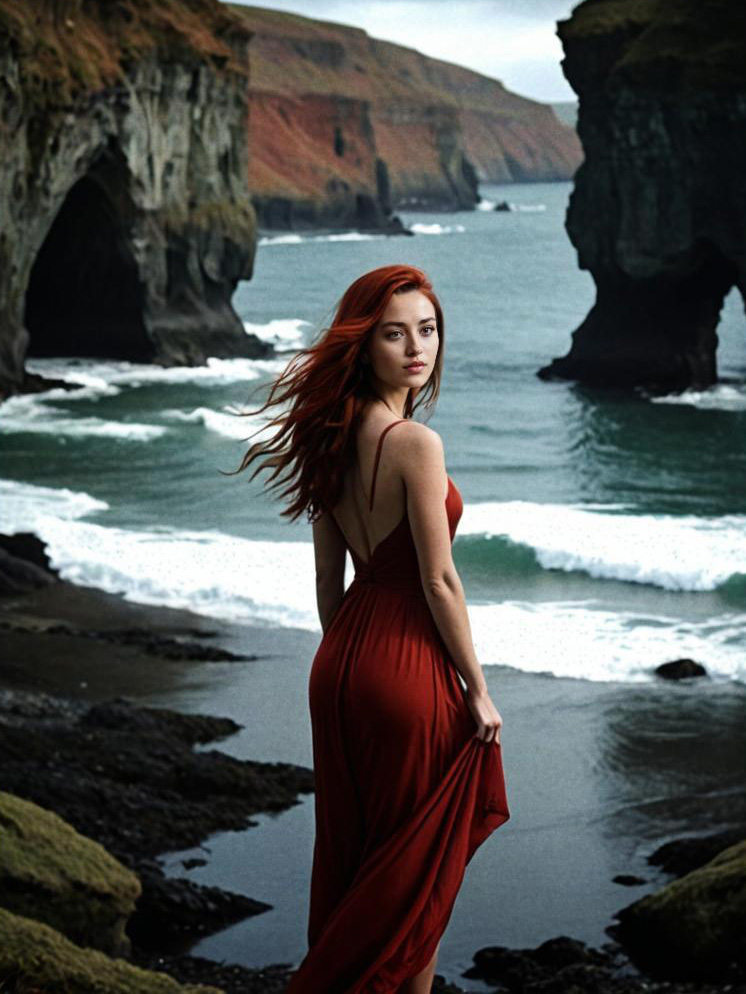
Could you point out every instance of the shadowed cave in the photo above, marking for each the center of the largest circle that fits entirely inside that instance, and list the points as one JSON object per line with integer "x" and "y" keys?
{"x": 84, "y": 297}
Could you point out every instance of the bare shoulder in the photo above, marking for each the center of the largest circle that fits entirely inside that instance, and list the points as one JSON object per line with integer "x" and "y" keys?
{"x": 418, "y": 440}
{"x": 419, "y": 455}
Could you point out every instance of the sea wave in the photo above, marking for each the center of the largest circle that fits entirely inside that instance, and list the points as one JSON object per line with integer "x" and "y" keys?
{"x": 283, "y": 333}
{"x": 293, "y": 238}
{"x": 100, "y": 377}
{"x": 721, "y": 397}
{"x": 30, "y": 413}
{"x": 675, "y": 552}
{"x": 261, "y": 582}
{"x": 436, "y": 229}
{"x": 229, "y": 422}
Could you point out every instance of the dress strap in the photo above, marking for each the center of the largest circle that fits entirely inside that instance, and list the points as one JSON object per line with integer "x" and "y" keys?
{"x": 378, "y": 456}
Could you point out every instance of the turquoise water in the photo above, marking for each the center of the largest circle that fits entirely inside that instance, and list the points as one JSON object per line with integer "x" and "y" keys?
{"x": 602, "y": 534}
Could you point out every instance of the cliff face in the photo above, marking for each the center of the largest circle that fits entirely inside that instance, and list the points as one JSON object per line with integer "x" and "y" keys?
{"x": 658, "y": 213}
{"x": 125, "y": 214}
{"x": 345, "y": 128}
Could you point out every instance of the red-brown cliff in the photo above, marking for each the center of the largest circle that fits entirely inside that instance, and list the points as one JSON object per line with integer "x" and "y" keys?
{"x": 345, "y": 127}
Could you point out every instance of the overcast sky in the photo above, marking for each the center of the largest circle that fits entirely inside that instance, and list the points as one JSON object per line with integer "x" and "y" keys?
{"x": 511, "y": 40}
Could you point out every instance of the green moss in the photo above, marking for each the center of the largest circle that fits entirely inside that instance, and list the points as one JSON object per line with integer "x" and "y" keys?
{"x": 670, "y": 44}
{"x": 50, "y": 872}
{"x": 234, "y": 219}
{"x": 700, "y": 916}
{"x": 33, "y": 952}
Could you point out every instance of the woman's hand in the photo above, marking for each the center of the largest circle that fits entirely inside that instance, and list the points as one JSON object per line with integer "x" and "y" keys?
{"x": 485, "y": 714}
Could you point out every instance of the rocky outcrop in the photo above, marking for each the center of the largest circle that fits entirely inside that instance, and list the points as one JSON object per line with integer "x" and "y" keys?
{"x": 49, "y": 871}
{"x": 694, "y": 926}
{"x": 658, "y": 212}
{"x": 336, "y": 115}
{"x": 126, "y": 214}
{"x": 35, "y": 956}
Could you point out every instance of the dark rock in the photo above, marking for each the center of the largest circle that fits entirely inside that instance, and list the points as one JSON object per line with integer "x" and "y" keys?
{"x": 659, "y": 205}
{"x": 628, "y": 880}
{"x": 229, "y": 977}
{"x": 28, "y": 546}
{"x": 503, "y": 205}
{"x": 193, "y": 863}
{"x": 680, "y": 669}
{"x": 18, "y": 576}
{"x": 681, "y": 856}
{"x": 171, "y": 910}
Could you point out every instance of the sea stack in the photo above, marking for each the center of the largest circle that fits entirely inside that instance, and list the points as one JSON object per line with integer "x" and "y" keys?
{"x": 658, "y": 212}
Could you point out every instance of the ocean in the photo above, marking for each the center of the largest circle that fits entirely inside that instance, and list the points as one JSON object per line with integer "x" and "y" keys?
{"x": 602, "y": 534}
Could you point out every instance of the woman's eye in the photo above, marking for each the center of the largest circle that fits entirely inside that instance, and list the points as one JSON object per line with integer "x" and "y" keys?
{"x": 431, "y": 330}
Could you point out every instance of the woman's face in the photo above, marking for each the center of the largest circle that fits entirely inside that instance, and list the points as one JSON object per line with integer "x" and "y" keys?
{"x": 407, "y": 333}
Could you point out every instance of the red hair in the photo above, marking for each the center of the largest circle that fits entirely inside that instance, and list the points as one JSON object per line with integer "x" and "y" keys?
{"x": 325, "y": 388}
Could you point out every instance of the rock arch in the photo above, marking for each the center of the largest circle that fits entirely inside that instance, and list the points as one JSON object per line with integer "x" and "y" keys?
{"x": 84, "y": 297}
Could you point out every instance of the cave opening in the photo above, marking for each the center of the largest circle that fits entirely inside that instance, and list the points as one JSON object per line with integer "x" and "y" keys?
{"x": 84, "y": 296}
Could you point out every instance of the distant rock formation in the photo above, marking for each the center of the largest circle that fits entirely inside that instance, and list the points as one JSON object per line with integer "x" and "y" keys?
{"x": 658, "y": 213}
{"x": 124, "y": 202}
{"x": 346, "y": 128}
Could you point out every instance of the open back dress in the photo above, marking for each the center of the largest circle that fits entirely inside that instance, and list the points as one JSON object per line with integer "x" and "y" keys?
{"x": 404, "y": 790}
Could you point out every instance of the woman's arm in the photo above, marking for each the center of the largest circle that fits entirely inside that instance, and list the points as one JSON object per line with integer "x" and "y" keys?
{"x": 423, "y": 468}
{"x": 329, "y": 555}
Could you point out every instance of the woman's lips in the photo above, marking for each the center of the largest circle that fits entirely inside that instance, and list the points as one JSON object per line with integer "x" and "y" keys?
{"x": 415, "y": 367}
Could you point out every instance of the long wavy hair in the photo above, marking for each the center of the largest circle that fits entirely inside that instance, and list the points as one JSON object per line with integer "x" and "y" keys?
{"x": 325, "y": 388}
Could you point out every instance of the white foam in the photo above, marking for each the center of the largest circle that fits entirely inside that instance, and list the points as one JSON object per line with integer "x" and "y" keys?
{"x": 266, "y": 582}
{"x": 23, "y": 504}
{"x": 486, "y": 205}
{"x": 721, "y": 397}
{"x": 577, "y": 639}
{"x": 103, "y": 374}
{"x": 436, "y": 229}
{"x": 228, "y": 422}
{"x": 674, "y": 552}
{"x": 31, "y": 413}
{"x": 293, "y": 238}
{"x": 280, "y": 332}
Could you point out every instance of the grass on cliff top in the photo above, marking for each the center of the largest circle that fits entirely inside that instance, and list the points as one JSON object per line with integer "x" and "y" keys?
{"x": 35, "y": 954}
{"x": 69, "y": 47}
{"x": 670, "y": 42}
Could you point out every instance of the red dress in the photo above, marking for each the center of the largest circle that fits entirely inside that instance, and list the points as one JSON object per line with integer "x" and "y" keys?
{"x": 404, "y": 791}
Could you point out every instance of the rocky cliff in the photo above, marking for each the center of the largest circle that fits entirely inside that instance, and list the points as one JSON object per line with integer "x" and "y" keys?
{"x": 125, "y": 214}
{"x": 658, "y": 213}
{"x": 345, "y": 128}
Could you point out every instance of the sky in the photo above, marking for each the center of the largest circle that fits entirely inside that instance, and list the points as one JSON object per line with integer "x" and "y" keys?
{"x": 511, "y": 40}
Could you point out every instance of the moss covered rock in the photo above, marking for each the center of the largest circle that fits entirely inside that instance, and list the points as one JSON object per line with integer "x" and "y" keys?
{"x": 33, "y": 952}
{"x": 694, "y": 926}
{"x": 50, "y": 872}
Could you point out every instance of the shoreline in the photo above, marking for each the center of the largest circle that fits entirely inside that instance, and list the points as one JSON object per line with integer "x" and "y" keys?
{"x": 51, "y": 654}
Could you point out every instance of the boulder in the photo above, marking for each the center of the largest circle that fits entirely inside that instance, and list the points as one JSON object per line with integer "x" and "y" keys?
{"x": 50, "y": 872}
{"x": 33, "y": 953}
{"x": 693, "y": 927}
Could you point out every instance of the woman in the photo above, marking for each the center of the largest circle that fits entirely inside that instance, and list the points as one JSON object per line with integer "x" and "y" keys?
{"x": 407, "y": 761}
